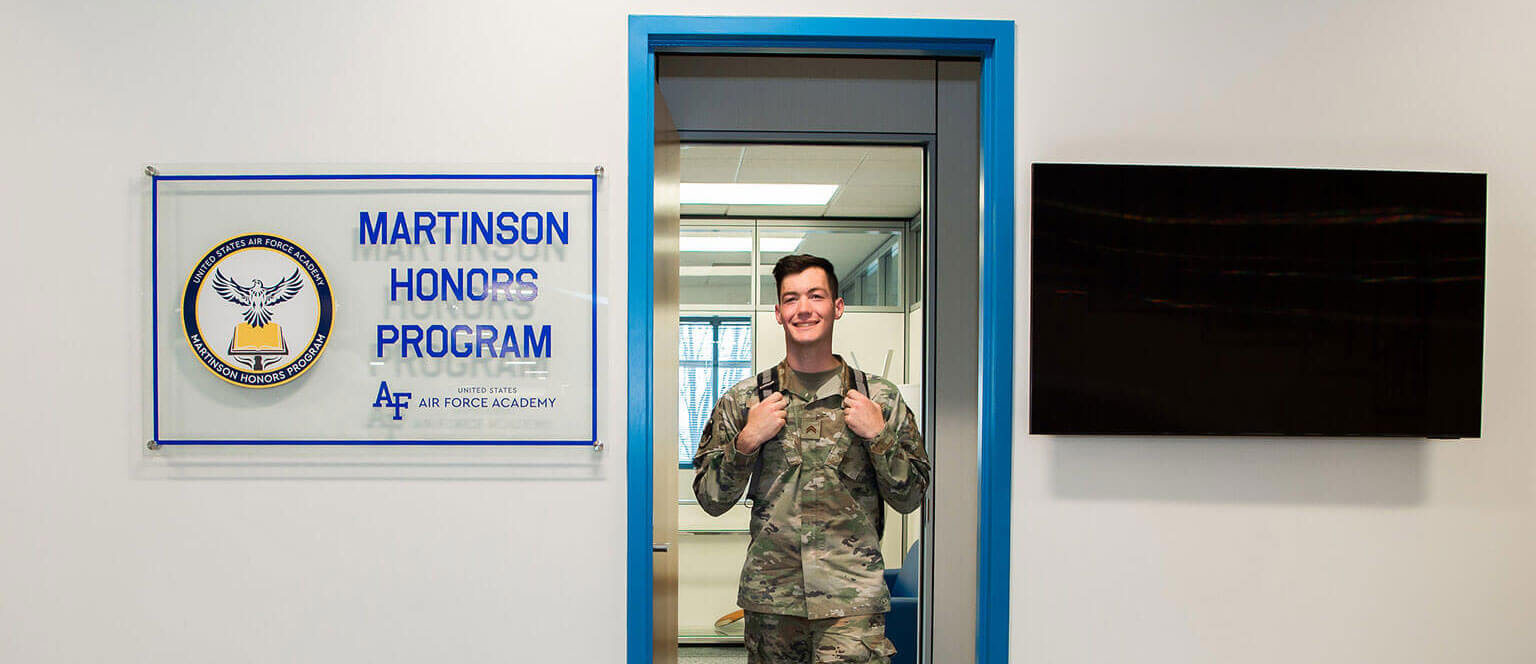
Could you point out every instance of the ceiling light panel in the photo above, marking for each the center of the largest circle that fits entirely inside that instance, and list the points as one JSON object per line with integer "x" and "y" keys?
{"x": 728, "y": 244}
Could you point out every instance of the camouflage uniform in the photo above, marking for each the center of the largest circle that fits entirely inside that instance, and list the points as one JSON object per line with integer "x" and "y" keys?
{"x": 848, "y": 640}
{"x": 816, "y": 493}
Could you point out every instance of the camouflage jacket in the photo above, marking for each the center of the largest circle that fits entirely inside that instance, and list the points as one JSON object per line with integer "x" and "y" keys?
{"x": 816, "y": 493}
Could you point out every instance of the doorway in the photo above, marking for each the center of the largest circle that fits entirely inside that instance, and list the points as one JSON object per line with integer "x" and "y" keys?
{"x": 741, "y": 211}
{"x": 991, "y": 43}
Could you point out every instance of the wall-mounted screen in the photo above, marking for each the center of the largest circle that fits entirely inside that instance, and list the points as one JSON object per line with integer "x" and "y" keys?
{"x": 1256, "y": 301}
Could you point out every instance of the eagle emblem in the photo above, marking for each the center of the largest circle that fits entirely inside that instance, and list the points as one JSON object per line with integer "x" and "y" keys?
{"x": 257, "y": 298}
{"x": 257, "y": 341}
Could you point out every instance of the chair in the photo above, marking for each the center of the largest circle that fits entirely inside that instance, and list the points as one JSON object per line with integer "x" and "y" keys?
{"x": 901, "y": 622}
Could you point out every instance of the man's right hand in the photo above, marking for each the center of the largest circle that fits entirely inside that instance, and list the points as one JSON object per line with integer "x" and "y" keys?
{"x": 763, "y": 422}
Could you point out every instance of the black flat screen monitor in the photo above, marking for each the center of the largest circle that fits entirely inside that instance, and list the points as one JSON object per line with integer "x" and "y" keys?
{"x": 1256, "y": 301}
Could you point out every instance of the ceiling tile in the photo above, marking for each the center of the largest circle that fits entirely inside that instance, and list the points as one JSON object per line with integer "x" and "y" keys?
{"x": 878, "y": 195}
{"x": 875, "y": 181}
{"x": 797, "y": 172}
{"x": 806, "y": 152}
{"x": 776, "y": 210}
{"x": 709, "y": 170}
{"x": 888, "y": 173}
{"x": 897, "y": 153}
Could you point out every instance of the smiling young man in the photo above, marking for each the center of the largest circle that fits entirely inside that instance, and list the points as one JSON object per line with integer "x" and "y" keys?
{"x": 818, "y": 446}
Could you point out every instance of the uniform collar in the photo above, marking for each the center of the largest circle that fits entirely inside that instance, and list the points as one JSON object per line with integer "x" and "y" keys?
{"x": 791, "y": 383}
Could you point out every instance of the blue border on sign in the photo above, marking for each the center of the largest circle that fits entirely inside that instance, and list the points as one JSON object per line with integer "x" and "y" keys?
{"x": 154, "y": 298}
{"x": 993, "y": 43}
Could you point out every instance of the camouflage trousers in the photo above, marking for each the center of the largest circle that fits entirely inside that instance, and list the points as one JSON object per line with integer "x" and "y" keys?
{"x": 776, "y": 639}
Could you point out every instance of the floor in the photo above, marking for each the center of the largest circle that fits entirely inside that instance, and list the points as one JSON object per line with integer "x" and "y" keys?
{"x": 711, "y": 655}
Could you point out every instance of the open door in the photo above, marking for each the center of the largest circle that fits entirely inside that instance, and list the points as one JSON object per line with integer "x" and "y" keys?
{"x": 967, "y": 573}
{"x": 664, "y": 397}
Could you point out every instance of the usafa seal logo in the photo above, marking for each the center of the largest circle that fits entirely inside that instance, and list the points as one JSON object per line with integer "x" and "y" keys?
{"x": 257, "y": 310}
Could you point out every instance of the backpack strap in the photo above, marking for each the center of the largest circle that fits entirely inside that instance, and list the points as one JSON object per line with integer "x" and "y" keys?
{"x": 861, "y": 385}
{"x": 767, "y": 383}
{"x": 860, "y": 381}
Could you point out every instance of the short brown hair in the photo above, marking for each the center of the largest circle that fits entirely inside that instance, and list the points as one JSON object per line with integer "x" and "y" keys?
{"x": 797, "y": 263}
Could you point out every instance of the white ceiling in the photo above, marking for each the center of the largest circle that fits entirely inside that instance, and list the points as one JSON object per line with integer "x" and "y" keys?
{"x": 881, "y": 182}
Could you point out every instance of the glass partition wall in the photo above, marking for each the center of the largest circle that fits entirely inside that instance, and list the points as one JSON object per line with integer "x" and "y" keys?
{"x": 870, "y": 229}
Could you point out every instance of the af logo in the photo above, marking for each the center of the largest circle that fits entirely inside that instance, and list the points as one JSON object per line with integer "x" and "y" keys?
{"x": 257, "y": 310}
{"x": 395, "y": 400}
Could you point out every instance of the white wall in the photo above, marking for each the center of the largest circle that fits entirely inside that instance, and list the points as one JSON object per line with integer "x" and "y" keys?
{"x": 1177, "y": 551}
{"x": 111, "y": 554}
{"x": 1212, "y": 550}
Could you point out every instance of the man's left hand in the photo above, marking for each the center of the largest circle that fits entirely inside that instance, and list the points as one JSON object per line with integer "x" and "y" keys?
{"x": 862, "y": 415}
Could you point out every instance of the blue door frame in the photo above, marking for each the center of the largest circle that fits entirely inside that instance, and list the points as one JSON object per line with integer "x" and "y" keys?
{"x": 992, "y": 42}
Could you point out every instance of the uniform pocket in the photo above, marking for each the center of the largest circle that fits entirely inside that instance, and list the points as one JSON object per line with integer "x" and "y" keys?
{"x": 855, "y": 462}
{"x": 879, "y": 645}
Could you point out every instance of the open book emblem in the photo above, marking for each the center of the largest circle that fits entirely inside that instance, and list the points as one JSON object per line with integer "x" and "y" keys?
{"x": 257, "y": 339}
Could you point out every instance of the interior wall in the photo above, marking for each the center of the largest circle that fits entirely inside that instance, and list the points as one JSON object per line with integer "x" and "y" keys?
{"x": 1287, "y": 550}
{"x": 110, "y": 553}
{"x": 1125, "y": 549}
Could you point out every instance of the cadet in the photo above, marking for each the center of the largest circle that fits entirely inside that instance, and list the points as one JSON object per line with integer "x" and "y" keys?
{"x": 817, "y": 446}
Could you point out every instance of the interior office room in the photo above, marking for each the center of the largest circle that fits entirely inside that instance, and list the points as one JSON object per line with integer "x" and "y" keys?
{"x": 727, "y": 332}
{"x": 1157, "y": 548}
